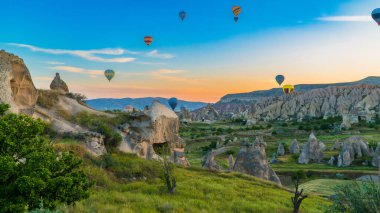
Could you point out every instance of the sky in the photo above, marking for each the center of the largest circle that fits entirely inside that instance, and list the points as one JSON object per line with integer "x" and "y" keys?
{"x": 202, "y": 58}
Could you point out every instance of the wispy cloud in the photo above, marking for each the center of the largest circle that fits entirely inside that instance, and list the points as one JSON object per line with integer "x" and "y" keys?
{"x": 54, "y": 63}
{"x": 156, "y": 54}
{"x": 173, "y": 75}
{"x": 345, "y": 18}
{"x": 90, "y": 55}
{"x": 78, "y": 70}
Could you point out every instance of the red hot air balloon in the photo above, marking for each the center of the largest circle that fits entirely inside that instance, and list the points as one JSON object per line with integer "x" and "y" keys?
{"x": 148, "y": 40}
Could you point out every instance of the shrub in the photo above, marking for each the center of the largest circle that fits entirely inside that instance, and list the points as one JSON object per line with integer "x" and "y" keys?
{"x": 36, "y": 172}
{"x": 47, "y": 98}
{"x": 80, "y": 98}
{"x": 300, "y": 174}
{"x": 356, "y": 197}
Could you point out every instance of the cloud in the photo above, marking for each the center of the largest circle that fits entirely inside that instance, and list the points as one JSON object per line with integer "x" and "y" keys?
{"x": 78, "y": 70}
{"x": 345, "y": 18}
{"x": 172, "y": 75}
{"x": 43, "y": 78}
{"x": 86, "y": 54}
{"x": 156, "y": 54}
{"x": 54, "y": 63}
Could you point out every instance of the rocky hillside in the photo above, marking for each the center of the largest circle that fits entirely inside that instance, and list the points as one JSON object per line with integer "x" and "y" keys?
{"x": 257, "y": 95}
{"x": 353, "y": 103}
{"x": 16, "y": 85}
{"x": 147, "y": 131}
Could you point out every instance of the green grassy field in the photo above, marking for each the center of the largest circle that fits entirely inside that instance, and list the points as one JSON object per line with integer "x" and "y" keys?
{"x": 198, "y": 190}
{"x": 323, "y": 187}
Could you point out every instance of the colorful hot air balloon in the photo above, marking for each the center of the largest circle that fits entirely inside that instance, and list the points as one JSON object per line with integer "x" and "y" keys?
{"x": 182, "y": 15}
{"x": 287, "y": 89}
{"x": 236, "y": 10}
{"x": 148, "y": 40}
{"x": 109, "y": 74}
{"x": 280, "y": 79}
{"x": 173, "y": 103}
{"x": 376, "y": 15}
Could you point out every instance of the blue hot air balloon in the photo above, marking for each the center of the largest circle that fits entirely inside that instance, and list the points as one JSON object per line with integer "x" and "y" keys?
{"x": 173, "y": 103}
{"x": 182, "y": 15}
{"x": 280, "y": 79}
{"x": 376, "y": 15}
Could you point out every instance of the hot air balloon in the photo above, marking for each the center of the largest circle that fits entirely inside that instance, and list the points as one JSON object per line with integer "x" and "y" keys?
{"x": 182, "y": 15}
{"x": 173, "y": 103}
{"x": 287, "y": 89}
{"x": 376, "y": 15}
{"x": 148, "y": 40}
{"x": 236, "y": 10}
{"x": 280, "y": 79}
{"x": 109, "y": 74}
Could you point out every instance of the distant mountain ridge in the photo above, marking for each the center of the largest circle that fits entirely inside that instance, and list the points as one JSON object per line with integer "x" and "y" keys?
{"x": 256, "y": 95}
{"x": 138, "y": 103}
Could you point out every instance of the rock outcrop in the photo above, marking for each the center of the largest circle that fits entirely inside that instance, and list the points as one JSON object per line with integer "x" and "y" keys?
{"x": 376, "y": 156}
{"x": 206, "y": 114}
{"x": 16, "y": 85}
{"x": 280, "y": 149}
{"x": 95, "y": 143}
{"x": 58, "y": 84}
{"x": 152, "y": 131}
{"x": 252, "y": 160}
{"x": 353, "y": 147}
{"x": 312, "y": 151}
{"x": 209, "y": 160}
{"x": 294, "y": 147}
{"x": 353, "y": 103}
{"x": 184, "y": 115}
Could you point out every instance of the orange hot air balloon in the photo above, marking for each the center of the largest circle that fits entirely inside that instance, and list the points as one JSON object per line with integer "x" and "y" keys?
{"x": 148, "y": 40}
{"x": 236, "y": 10}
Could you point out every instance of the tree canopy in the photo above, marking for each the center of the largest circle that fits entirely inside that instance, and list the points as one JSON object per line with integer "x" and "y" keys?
{"x": 30, "y": 169}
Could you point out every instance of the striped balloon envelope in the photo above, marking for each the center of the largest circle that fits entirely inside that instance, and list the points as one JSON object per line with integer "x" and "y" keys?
{"x": 236, "y": 10}
{"x": 109, "y": 74}
{"x": 148, "y": 40}
{"x": 376, "y": 15}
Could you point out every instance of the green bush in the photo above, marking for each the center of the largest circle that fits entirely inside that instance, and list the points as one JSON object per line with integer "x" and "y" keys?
{"x": 356, "y": 197}
{"x": 30, "y": 169}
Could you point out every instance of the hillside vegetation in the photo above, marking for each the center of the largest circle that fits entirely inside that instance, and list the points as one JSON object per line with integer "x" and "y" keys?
{"x": 125, "y": 183}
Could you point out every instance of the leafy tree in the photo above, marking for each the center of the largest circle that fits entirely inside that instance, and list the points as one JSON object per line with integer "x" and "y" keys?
{"x": 31, "y": 171}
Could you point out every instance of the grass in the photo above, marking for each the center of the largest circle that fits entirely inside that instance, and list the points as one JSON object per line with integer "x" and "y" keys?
{"x": 323, "y": 187}
{"x": 197, "y": 190}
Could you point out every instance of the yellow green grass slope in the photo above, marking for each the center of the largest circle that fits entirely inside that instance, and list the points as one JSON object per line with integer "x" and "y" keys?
{"x": 197, "y": 190}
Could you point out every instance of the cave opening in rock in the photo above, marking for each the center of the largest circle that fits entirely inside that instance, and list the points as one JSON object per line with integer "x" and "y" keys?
{"x": 161, "y": 148}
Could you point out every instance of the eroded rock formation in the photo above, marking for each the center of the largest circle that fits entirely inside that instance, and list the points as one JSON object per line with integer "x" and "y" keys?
{"x": 206, "y": 114}
{"x": 280, "y": 149}
{"x": 16, "y": 85}
{"x": 312, "y": 151}
{"x": 353, "y": 147}
{"x": 153, "y": 131}
{"x": 252, "y": 160}
{"x": 376, "y": 156}
{"x": 58, "y": 84}
{"x": 294, "y": 147}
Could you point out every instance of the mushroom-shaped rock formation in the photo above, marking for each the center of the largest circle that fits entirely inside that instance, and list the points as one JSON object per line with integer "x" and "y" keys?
{"x": 58, "y": 84}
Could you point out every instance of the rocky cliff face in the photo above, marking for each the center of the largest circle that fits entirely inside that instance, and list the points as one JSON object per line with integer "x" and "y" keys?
{"x": 16, "y": 85}
{"x": 353, "y": 103}
{"x": 252, "y": 160}
{"x": 206, "y": 114}
{"x": 153, "y": 131}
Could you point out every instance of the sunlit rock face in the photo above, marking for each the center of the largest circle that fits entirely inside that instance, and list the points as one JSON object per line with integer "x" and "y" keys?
{"x": 58, "y": 84}
{"x": 152, "y": 132}
{"x": 312, "y": 151}
{"x": 252, "y": 160}
{"x": 16, "y": 85}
